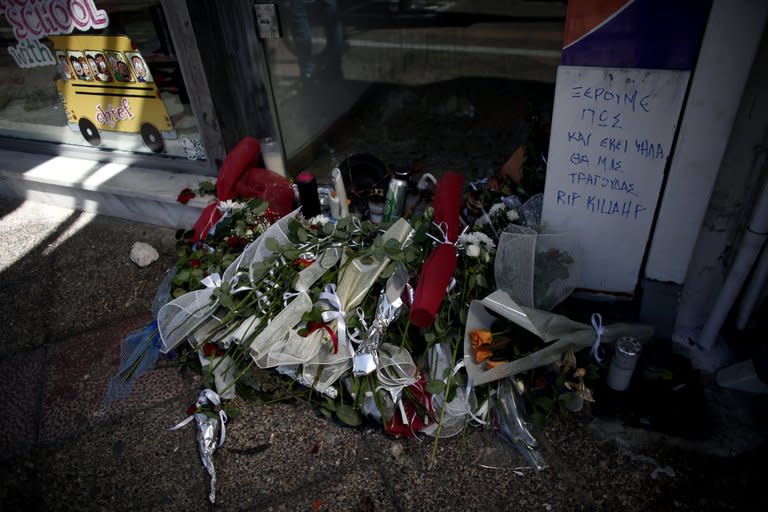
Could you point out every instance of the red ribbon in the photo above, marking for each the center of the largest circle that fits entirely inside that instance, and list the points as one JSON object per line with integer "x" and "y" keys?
{"x": 439, "y": 266}
{"x": 240, "y": 176}
{"x": 314, "y": 326}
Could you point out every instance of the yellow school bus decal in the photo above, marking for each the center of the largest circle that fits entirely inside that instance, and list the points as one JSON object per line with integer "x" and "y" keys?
{"x": 105, "y": 85}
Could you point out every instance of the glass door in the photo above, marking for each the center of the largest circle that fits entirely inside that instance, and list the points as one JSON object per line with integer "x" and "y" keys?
{"x": 435, "y": 85}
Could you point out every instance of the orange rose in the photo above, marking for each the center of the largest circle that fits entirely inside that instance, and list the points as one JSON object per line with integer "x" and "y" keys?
{"x": 481, "y": 354}
{"x": 480, "y": 337}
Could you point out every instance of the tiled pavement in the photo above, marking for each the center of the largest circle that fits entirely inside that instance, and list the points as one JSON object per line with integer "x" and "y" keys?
{"x": 75, "y": 299}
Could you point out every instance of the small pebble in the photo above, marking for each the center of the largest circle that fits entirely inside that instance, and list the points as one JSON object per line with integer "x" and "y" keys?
{"x": 397, "y": 450}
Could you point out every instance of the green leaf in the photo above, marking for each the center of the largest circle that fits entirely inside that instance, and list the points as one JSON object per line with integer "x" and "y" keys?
{"x": 344, "y": 223}
{"x": 339, "y": 235}
{"x": 348, "y": 415}
{"x": 389, "y": 270}
{"x": 430, "y": 337}
{"x": 412, "y": 254}
{"x": 260, "y": 208}
{"x": 182, "y": 277}
{"x": 291, "y": 254}
{"x": 232, "y": 412}
{"x": 207, "y": 187}
{"x": 440, "y": 325}
{"x": 353, "y": 321}
{"x": 481, "y": 281}
{"x": 379, "y": 254}
{"x": 272, "y": 245}
{"x": 392, "y": 244}
{"x": 178, "y": 292}
{"x": 435, "y": 386}
{"x": 329, "y": 404}
{"x": 302, "y": 235}
{"x": 327, "y": 229}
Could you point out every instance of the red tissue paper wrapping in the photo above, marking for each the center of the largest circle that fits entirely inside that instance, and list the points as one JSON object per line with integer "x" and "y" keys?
{"x": 240, "y": 176}
{"x": 438, "y": 268}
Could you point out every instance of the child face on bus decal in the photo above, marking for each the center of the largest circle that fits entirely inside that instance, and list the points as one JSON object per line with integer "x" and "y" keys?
{"x": 77, "y": 67}
{"x": 101, "y": 62}
{"x": 64, "y": 63}
{"x": 92, "y": 64}
{"x": 124, "y": 71}
{"x": 84, "y": 66}
{"x": 138, "y": 66}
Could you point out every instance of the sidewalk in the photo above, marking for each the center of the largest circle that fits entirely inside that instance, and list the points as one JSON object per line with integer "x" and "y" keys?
{"x": 69, "y": 296}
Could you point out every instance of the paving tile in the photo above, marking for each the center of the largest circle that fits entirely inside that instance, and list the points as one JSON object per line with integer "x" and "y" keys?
{"x": 131, "y": 464}
{"x": 280, "y": 449}
{"x": 78, "y": 372}
{"x": 21, "y": 388}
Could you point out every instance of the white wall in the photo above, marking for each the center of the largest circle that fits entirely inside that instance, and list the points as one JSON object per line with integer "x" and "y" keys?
{"x": 730, "y": 205}
{"x": 730, "y": 42}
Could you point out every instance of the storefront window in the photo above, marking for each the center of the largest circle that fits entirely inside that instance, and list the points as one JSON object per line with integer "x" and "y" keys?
{"x": 435, "y": 84}
{"x": 94, "y": 73}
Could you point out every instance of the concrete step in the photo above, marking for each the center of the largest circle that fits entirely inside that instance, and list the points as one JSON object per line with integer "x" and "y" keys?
{"x": 136, "y": 193}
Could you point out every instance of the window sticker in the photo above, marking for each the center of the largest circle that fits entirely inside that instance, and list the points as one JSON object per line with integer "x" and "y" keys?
{"x": 139, "y": 66}
{"x": 33, "y": 20}
{"x": 99, "y": 67}
{"x": 65, "y": 67}
{"x": 80, "y": 65}
{"x": 120, "y": 68}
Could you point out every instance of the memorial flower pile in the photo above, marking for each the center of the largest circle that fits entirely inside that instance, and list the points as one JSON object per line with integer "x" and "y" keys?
{"x": 399, "y": 324}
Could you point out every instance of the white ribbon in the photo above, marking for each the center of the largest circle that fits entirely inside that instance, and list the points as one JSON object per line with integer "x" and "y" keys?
{"x": 355, "y": 336}
{"x": 337, "y": 313}
{"x": 287, "y": 296}
{"x": 207, "y": 396}
{"x": 443, "y": 229}
{"x": 396, "y": 372}
{"x": 482, "y": 411}
{"x": 597, "y": 325}
{"x": 212, "y": 281}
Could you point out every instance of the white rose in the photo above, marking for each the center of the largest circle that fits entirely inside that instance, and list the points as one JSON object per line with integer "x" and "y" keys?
{"x": 512, "y": 215}
{"x": 473, "y": 251}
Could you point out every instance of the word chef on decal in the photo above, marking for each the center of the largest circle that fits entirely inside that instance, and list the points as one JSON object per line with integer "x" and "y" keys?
{"x": 111, "y": 114}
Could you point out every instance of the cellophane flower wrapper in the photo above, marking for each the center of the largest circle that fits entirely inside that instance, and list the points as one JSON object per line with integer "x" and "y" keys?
{"x": 462, "y": 409}
{"x": 355, "y": 282}
{"x": 558, "y": 333}
{"x": 536, "y": 269}
{"x": 208, "y": 430}
{"x": 182, "y": 316}
{"x": 224, "y": 371}
{"x": 140, "y": 350}
{"x": 509, "y": 414}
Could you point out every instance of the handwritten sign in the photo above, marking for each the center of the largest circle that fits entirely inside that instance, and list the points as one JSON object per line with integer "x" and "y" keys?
{"x": 612, "y": 131}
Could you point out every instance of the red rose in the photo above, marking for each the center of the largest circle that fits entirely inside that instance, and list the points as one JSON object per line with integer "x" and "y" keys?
{"x": 417, "y": 392}
{"x": 302, "y": 263}
{"x": 194, "y": 263}
{"x": 212, "y": 349}
{"x": 192, "y": 409}
{"x": 185, "y": 195}
{"x": 235, "y": 241}
{"x": 271, "y": 215}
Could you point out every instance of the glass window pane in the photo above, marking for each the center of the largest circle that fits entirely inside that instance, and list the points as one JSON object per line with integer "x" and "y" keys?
{"x": 96, "y": 74}
{"x": 438, "y": 84}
